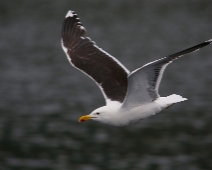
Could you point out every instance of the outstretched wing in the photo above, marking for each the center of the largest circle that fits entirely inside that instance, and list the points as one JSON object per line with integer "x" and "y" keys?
{"x": 143, "y": 83}
{"x": 109, "y": 74}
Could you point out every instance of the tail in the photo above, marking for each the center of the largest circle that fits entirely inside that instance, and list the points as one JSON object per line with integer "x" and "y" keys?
{"x": 165, "y": 102}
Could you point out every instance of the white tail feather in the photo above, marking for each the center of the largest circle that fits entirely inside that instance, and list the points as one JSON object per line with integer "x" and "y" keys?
{"x": 167, "y": 101}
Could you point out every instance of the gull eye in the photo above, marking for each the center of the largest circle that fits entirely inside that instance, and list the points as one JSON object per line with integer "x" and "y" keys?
{"x": 98, "y": 113}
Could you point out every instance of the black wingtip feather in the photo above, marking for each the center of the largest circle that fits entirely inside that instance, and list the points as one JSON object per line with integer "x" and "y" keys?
{"x": 72, "y": 26}
{"x": 209, "y": 41}
{"x": 189, "y": 50}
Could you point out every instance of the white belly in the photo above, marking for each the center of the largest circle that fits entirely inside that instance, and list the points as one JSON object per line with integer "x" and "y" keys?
{"x": 131, "y": 115}
{"x": 124, "y": 116}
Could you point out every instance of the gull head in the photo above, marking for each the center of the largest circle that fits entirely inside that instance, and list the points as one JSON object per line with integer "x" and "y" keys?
{"x": 101, "y": 114}
{"x": 109, "y": 114}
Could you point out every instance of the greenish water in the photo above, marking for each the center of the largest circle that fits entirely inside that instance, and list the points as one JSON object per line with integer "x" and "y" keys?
{"x": 42, "y": 96}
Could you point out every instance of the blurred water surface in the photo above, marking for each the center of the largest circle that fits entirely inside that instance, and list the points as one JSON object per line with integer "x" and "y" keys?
{"x": 42, "y": 96}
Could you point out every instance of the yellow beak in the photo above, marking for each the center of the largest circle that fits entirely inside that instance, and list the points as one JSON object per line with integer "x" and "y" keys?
{"x": 84, "y": 118}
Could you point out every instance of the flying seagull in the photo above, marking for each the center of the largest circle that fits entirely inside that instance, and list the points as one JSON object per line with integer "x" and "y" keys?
{"x": 129, "y": 96}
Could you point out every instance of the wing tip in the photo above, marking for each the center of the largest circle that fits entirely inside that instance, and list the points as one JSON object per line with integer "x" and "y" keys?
{"x": 70, "y": 13}
{"x": 209, "y": 41}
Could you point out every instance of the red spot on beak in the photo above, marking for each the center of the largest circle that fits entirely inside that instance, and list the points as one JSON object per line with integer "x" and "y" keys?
{"x": 82, "y": 120}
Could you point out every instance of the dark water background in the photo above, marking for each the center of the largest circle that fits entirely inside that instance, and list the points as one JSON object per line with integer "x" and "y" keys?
{"x": 42, "y": 96}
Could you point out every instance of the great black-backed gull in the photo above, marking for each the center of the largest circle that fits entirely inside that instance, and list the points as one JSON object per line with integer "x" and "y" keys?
{"x": 129, "y": 96}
